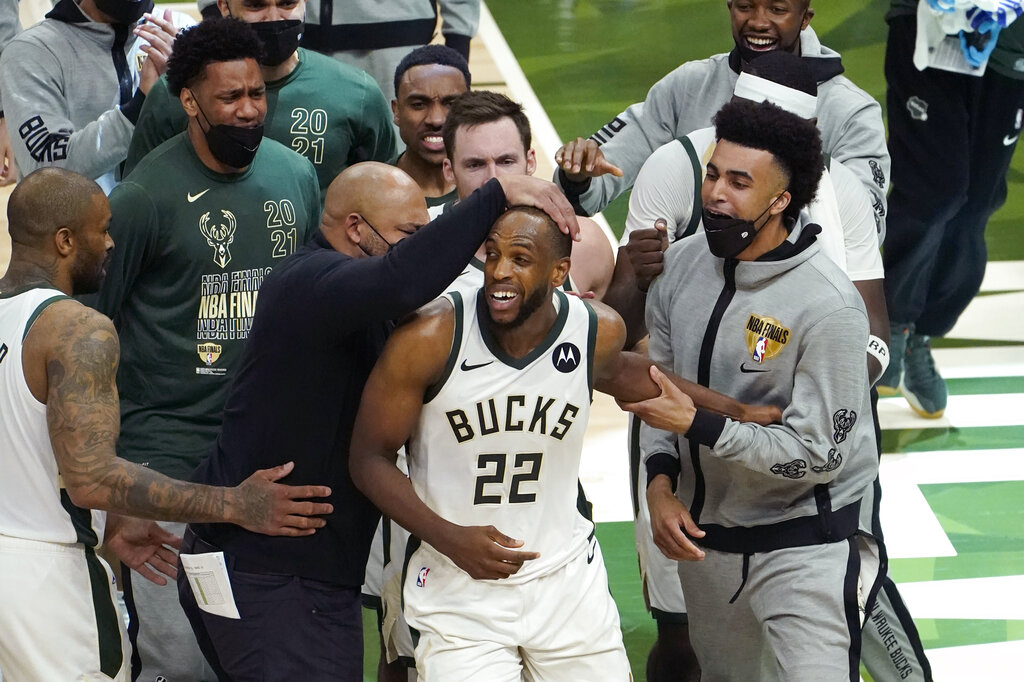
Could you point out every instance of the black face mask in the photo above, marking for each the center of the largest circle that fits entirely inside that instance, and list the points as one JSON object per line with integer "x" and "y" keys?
{"x": 232, "y": 145}
{"x": 125, "y": 11}
{"x": 280, "y": 39}
{"x": 727, "y": 237}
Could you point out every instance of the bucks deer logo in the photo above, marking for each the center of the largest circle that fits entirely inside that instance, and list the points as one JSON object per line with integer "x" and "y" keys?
{"x": 219, "y": 236}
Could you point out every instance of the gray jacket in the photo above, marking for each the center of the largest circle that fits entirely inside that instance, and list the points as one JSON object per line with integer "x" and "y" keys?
{"x": 788, "y": 330}
{"x": 66, "y": 101}
{"x": 685, "y": 100}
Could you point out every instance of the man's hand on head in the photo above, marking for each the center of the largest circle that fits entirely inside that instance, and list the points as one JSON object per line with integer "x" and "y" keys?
{"x": 582, "y": 158}
{"x": 525, "y": 190}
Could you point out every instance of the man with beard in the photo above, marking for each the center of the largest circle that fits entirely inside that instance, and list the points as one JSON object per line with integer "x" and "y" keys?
{"x": 427, "y": 80}
{"x": 59, "y": 470}
{"x": 73, "y": 85}
{"x": 324, "y": 315}
{"x": 199, "y": 224}
{"x": 331, "y": 113}
{"x": 596, "y": 170}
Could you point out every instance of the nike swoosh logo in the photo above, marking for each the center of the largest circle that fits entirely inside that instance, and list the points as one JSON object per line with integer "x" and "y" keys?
{"x": 1009, "y": 141}
{"x": 193, "y": 197}
{"x": 751, "y": 370}
{"x": 467, "y": 367}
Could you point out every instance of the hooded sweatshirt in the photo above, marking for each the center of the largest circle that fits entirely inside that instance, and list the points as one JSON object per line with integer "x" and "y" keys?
{"x": 788, "y": 329}
{"x": 686, "y": 99}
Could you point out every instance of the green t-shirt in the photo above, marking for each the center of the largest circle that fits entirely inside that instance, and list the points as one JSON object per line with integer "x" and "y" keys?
{"x": 191, "y": 249}
{"x": 331, "y": 113}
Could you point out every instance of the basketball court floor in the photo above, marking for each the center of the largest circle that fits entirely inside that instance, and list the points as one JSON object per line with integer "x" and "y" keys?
{"x": 953, "y": 488}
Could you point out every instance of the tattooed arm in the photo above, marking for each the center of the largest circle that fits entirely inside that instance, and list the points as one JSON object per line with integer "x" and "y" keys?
{"x": 79, "y": 350}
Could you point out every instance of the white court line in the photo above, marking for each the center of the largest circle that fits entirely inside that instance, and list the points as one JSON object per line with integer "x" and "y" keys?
{"x": 1004, "y": 275}
{"x": 962, "y": 411}
{"x": 997, "y": 662}
{"x": 967, "y": 598}
{"x": 999, "y": 317}
{"x": 910, "y": 526}
{"x": 546, "y": 139}
{"x": 966, "y": 363}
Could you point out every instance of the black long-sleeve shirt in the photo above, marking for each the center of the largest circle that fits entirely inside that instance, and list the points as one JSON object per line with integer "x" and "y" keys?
{"x": 321, "y": 321}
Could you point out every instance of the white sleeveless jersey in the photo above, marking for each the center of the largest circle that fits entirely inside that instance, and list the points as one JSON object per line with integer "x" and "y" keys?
{"x": 499, "y": 439}
{"x": 33, "y": 503}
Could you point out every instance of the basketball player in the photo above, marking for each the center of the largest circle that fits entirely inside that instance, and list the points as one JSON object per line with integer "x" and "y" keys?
{"x": 488, "y": 135}
{"x": 58, "y": 426}
{"x": 494, "y": 391}
{"x": 427, "y": 80}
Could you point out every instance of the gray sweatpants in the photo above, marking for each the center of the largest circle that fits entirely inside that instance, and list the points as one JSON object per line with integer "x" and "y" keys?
{"x": 164, "y": 646}
{"x": 790, "y": 614}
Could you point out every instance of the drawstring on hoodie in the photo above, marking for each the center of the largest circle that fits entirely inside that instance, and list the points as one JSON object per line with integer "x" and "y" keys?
{"x": 746, "y": 570}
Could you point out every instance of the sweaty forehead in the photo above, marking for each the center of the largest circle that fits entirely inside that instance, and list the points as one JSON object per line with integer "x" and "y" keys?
{"x": 518, "y": 228}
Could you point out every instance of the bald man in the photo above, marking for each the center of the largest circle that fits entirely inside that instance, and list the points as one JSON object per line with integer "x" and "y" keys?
{"x": 58, "y": 427}
{"x": 322, "y": 319}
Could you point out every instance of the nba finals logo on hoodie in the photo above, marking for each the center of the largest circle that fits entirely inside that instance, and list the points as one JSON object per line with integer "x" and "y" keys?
{"x": 766, "y": 337}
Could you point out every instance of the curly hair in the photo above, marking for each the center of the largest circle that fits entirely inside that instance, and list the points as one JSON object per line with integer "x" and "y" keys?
{"x": 432, "y": 54}
{"x": 213, "y": 40}
{"x": 477, "y": 107}
{"x": 793, "y": 141}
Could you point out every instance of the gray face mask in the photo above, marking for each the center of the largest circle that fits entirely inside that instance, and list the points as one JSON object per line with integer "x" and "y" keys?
{"x": 727, "y": 237}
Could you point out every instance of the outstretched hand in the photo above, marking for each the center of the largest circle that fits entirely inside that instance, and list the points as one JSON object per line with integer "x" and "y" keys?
{"x": 582, "y": 158}
{"x": 484, "y": 552}
{"x": 159, "y": 33}
{"x": 646, "y": 252}
{"x": 671, "y": 523}
{"x": 672, "y": 410}
{"x": 263, "y": 506}
{"x": 144, "y": 546}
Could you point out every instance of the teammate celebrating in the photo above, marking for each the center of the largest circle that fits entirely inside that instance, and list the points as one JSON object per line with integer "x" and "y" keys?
{"x": 770, "y": 507}
{"x": 427, "y": 80}
{"x": 331, "y": 113}
{"x": 595, "y": 171}
{"x": 487, "y": 135}
{"x": 199, "y": 223}
{"x": 58, "y": 427}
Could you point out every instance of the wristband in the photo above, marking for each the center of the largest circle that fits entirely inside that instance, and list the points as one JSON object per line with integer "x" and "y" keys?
{"x": 878, "y": 349}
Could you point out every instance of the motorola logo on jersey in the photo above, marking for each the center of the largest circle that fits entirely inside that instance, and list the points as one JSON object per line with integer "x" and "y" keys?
{"x": 566, "y": 357}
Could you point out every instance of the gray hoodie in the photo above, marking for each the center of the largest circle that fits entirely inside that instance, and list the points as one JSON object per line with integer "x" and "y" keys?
{"x": 788, "y": 329}
{"x": 70, "y": 93}
{"x": 849, "y": 119}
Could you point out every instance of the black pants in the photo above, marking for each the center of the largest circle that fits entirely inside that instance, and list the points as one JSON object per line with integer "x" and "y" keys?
{"x": 951, "y": 138}
{"x": 290, "y": 628}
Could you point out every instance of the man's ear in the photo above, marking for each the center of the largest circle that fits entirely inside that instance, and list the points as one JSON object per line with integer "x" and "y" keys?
{"x": 446, "y": 170}
{"x": 188, "y": 102}
{"x": 781, "y": 203}
{"x": 394, "y": 111}
{"x": 222, "y": 5}
{"x": 560, "y": 272}
{"x": 531, "y": 162}
{"x": 64, "y": 241}
{"x": 351, "y": 226}
{"x": 808, "y": 15}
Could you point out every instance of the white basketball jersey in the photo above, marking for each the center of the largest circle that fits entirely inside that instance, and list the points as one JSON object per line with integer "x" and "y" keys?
{"x": 33, "y": 503}
{"x": 499, "y": 439}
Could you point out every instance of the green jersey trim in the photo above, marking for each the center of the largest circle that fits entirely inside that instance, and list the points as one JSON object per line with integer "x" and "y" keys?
{"x": 453, "y": 354}
{"x": 698, "y": 205}
{"x": 39, "y": 311}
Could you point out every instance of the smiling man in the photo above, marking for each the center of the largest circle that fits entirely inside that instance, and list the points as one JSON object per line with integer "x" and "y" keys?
{"x": 494, "y": 390}
{"x": 198, "y": 225}
{"x": 596, "y": 170}
{"x": 755, "y": 309}
{"x": 330, "y": 112}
